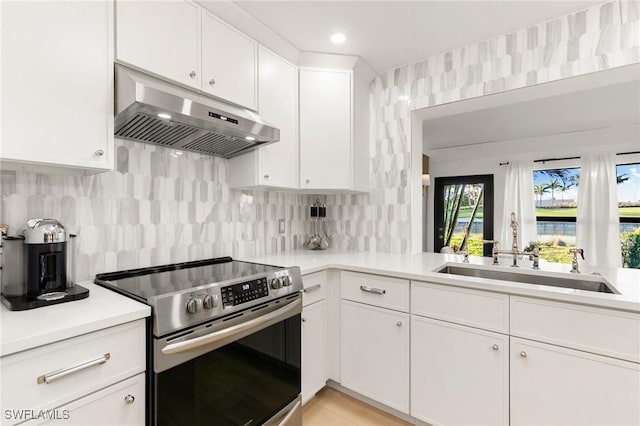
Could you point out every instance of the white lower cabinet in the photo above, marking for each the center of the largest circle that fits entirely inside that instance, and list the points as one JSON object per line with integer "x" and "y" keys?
{"x": 122, "y": 404}
{"x": 314, "y": 334}
{"x": 90, "y": 373}
{"x": 314, "y": 370}
{"x": 375, "y": 353}
{"x": 551, "y": 385}
{"x": 459, "y": 374}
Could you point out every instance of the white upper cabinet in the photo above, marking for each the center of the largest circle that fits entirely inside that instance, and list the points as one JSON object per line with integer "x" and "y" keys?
{"x": 276, "y": 164}
{"x": 334, "y": 150}
{"x": 325, "y": 129}
{"x": 57, "y": 86}
{"x": 180, "y": 41}
{"x": 160, "y": 37}
{"x": 229, "y": 64}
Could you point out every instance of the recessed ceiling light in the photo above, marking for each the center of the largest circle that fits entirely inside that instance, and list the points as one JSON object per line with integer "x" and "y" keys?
{"x": 250, "y": 138}
{"x": 164, "y": 115}
{"x": 338, "y": 38}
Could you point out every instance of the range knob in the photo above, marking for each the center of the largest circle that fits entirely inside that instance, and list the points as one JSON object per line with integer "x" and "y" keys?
{"x": 276, "y": 283}
{"x": 194, "y": 306}
{"x": 286, "y": 281}
{"x": 210, "y": 301}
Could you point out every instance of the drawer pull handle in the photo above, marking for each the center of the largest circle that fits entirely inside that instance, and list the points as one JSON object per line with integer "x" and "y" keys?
{"x": 399, "y": 323}
{"x": 373, "y": 290}
{"x": 313, "y": 287}
{"x": 495, "y": 347}
{"x": 56, "y": 375}
{"x": 129, "y": 399}
{"x": 523, "y": 354}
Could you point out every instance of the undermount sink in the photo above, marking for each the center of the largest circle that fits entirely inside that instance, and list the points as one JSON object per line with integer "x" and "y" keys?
{"x": 530, "y": 278}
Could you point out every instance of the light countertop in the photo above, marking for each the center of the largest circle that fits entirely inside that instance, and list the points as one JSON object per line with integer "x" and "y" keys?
{"x": 22, "y": 330}
{"x": 422, "y": 266}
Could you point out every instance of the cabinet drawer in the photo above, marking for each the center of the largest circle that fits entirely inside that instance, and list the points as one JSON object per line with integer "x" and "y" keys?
{"x": 122, "y": 404}
{"x": 376, "y": 290}
{"x": 603, "y": 331}
{"x": 481, "y": 309}
{"x": 22, "y": 373}
{"x": 315, "y": 287}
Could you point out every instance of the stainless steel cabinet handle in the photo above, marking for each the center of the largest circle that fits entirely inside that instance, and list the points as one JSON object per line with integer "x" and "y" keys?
{"x": 57, "y": 375}
{"x": 399, "y": 323}
{"x": 235, "y": 332}
{"x": 129, "y": 399}
{"x": 372, "y": 290}
{"x": 308, "y": 180}
{"x": 523, "y": 354}
{"x": 495, "y": 347}
{"x": 313, "y": 287}
{"x": 99, "y": 153}
{"x": 266, "y": 176}
{"x": 303, "y": 319}
{"x": 192, "y": 74}
{"x": 212, "y": 81}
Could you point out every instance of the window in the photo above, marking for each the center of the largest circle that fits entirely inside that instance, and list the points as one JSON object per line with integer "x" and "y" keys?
{"x": 464, "y": 202}
{"x": 556, "y": 195}
{"x": 629, "y": 209}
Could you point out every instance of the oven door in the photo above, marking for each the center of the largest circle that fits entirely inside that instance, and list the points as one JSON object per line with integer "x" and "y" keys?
{"x": 242, "y": 370}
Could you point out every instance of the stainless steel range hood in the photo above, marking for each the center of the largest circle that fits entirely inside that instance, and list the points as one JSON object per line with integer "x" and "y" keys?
{"x": 153, "y": 111}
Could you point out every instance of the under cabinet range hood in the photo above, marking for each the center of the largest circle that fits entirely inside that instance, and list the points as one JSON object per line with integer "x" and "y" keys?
{"x": 154, "y": 111}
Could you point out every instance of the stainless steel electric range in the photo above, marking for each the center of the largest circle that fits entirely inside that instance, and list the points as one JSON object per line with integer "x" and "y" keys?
{"x": 224, "y": 342}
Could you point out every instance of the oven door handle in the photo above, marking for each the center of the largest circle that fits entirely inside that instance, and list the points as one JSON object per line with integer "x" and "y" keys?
{"x": 236, "y": 331}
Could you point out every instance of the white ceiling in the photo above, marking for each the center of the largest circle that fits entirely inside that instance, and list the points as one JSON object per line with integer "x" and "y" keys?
{"x": 391, "y": 33}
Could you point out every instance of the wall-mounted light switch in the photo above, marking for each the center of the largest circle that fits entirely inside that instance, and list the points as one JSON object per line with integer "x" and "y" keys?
{"x": 281, "y": 226}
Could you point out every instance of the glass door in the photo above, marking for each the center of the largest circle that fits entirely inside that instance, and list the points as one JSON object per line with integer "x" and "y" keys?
{"x": 464, "y": 213}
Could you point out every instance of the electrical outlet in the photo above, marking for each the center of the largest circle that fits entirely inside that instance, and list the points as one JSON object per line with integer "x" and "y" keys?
{"x": 281, "y": 226}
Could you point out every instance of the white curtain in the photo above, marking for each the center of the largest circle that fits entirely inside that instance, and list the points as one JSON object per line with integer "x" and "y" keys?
{"x": 519, "y": 199}
{"x": 598, "y": 225}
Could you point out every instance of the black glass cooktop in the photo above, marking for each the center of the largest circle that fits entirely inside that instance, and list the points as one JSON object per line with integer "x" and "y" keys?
{"x": 149, "y": 282}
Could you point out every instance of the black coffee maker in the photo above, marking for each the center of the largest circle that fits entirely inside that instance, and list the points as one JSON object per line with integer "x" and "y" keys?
{"x": 48, "y": 267}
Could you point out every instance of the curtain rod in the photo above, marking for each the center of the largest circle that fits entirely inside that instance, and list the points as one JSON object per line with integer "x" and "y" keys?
{"x": 544, "y": 160}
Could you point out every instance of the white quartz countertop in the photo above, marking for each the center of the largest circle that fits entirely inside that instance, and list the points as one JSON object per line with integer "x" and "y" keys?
{"x": 22, "y": 330}
{"x": 422, "y": 267}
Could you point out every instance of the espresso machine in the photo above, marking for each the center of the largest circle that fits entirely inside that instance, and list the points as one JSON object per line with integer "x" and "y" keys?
{"x": 38, "y": 267}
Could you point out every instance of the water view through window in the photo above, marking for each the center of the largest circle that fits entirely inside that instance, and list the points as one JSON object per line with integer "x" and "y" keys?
{"x": 556, "y": 194}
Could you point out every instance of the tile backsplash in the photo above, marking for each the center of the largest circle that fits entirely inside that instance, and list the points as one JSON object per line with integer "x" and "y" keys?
{"x": 162, "y": 206}
{"x": 158, "y": 206}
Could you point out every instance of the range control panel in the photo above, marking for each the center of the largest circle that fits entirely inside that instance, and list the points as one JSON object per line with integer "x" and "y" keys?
{"x": 236, "y": 294}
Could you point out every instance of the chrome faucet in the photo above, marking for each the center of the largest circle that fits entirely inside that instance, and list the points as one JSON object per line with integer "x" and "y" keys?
{"x": 534, "y": 254}
{"x": 494, "y": 249}
{"x": 574, "y": 261}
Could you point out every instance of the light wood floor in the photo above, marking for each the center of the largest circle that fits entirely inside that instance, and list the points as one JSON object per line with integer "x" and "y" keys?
{"x": 333, "y": 408}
